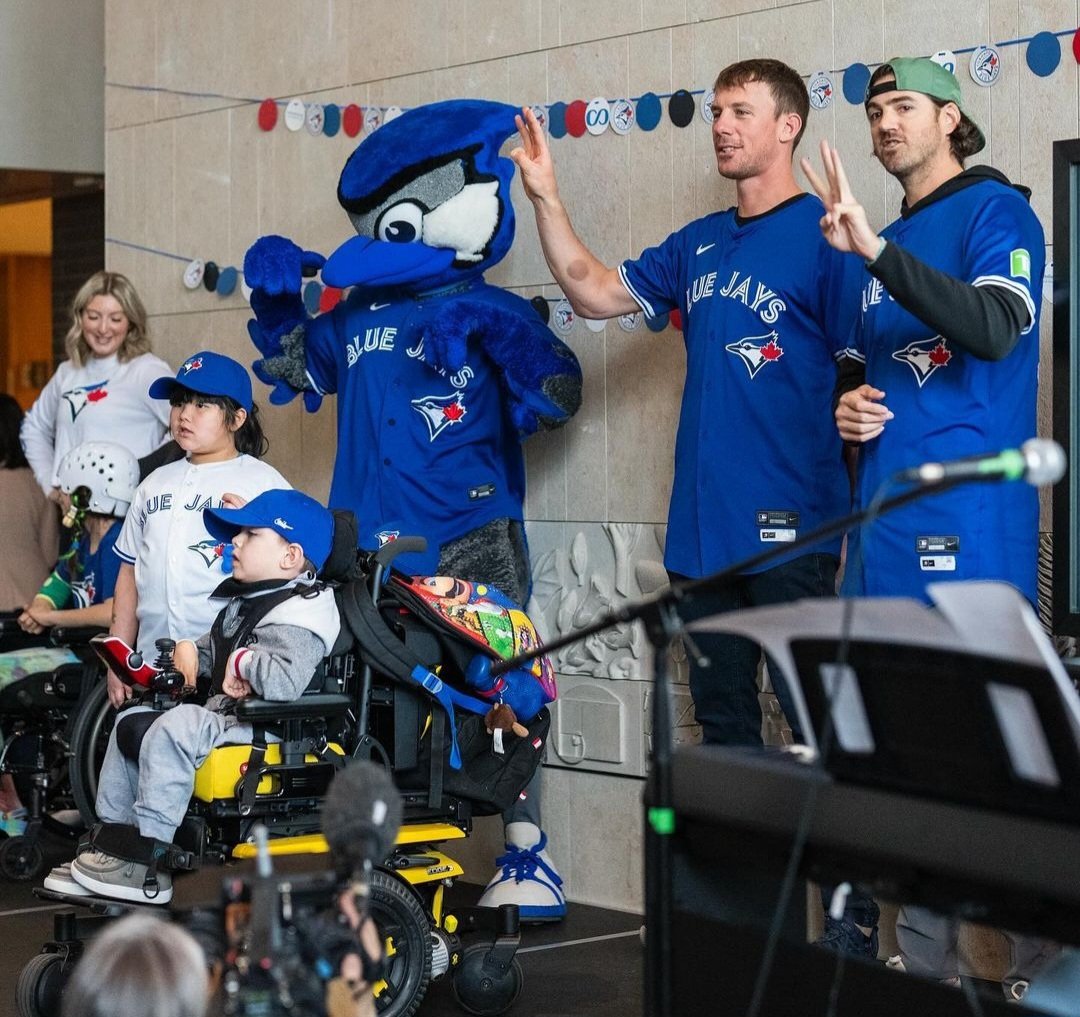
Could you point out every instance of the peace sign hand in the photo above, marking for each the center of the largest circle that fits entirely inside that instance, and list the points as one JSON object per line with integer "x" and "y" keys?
{"x": 844, "y": 224}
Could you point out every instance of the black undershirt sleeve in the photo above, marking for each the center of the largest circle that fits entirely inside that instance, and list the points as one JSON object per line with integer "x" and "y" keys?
{"x": 984, "y": 320}
{"x": 850, "y": 374}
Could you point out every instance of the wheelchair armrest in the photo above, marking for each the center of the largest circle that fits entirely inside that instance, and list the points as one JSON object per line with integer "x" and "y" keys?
{"x": 321, "y": 704}
{"x": 402, "y": 545}
{"x": 75, "y": 635}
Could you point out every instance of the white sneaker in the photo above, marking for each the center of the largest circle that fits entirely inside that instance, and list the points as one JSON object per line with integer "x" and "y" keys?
{"x": 527, "y": 877}
{"x": 60, "y": 880}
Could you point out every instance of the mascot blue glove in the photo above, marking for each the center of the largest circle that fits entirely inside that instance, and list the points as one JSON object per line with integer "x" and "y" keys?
{"x": 438, "y": 375}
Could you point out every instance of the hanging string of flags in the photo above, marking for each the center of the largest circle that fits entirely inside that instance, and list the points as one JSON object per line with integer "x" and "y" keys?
{"x": 577, "y": 119}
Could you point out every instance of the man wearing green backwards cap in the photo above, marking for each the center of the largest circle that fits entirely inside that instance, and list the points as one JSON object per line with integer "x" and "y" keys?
{"x": 943, "y": 364}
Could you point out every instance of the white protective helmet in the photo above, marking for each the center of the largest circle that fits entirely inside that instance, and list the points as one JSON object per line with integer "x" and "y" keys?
{"x": 109, "y": 471}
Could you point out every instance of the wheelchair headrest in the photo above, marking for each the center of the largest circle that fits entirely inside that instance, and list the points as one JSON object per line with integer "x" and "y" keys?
{"x": 341, "y": 563}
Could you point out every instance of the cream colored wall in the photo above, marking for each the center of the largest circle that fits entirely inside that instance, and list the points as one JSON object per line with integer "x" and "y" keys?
{"x": 198, "y": 177}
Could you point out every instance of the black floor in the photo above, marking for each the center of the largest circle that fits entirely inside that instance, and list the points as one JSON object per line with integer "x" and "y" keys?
{"x": 589, "y": 964}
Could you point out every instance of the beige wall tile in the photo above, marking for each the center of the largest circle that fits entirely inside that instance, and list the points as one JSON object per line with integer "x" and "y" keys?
{"x": 398, "y": 38}
{"x": 800, "y": 35}
{"x": 581, "y": 20}
{"x": 130, "y": 59}
{"x": 705, "y": 10}
{"x": 495, "y": 28}
{"x": 662, "y": 13}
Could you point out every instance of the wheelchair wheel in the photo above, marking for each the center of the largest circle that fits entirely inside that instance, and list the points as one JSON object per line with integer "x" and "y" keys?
{"x": 40, "y": 986}
{"x": 90, "y": 732}
{"x": 406, "y": 934}
{"x": 483, "y": 992}
{"x": 21, "y": 859}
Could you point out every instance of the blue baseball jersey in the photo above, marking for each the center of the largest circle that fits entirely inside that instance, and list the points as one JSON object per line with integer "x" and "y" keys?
{"x": 767, "y": 308}
{"x": 94, "y": 578}
{"x": 947, "y": 403}
{"x": 432, "y": 453}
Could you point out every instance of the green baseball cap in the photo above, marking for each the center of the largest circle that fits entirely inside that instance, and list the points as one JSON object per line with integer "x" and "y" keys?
{"x": 920, "y": 74}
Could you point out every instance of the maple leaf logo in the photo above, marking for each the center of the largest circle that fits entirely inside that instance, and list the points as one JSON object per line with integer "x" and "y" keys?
{"x": 455, "y": 411}
{"x": 96, "y": 395}
{"x": 940, "y": 355}
{"x": 771, "y": 351}
{"x": 440, "y": 412}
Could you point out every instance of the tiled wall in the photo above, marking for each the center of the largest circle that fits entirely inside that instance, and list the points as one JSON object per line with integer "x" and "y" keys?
{"x": 196, "y": 176}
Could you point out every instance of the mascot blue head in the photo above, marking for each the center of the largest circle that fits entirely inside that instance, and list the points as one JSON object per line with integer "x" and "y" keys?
{"x": 434, "y": 221}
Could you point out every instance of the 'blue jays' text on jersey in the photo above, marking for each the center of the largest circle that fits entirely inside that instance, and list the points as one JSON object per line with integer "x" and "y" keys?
{"x": 947, "y": 403}
{"x": 767, "y": 307}
{"x": 436, "y": 452}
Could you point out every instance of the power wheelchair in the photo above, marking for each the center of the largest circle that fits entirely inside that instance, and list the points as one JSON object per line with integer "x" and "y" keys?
{"x": 39, "y": 714}
{"x": 364, "y": 702}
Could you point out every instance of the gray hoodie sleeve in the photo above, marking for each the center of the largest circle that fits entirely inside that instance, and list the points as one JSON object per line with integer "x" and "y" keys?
{"x": 280, "y": 662}
{"x": 206, "y": 656}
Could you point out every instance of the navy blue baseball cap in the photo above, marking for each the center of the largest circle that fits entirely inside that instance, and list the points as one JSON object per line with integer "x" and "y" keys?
{"x": 296, "y": 516}
{"x": 211, "y": 374}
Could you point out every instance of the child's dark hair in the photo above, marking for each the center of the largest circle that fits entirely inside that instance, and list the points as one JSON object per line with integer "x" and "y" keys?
{"x": 249, "y": 438}
{"x": 11, "y": 418}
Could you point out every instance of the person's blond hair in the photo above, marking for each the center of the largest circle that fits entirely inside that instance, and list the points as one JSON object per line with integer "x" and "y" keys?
{"x": 111, "y": 284}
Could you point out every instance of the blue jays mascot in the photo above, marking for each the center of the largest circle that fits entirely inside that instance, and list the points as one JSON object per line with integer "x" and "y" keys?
{"x": 438, "y": 375}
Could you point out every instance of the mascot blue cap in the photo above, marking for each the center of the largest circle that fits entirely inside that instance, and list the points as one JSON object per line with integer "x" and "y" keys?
{"x": 433, "y": 221}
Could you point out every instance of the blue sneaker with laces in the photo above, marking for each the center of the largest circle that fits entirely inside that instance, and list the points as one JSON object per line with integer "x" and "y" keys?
{"x": 526, "y": 876}
{"x": 844, "y": 936}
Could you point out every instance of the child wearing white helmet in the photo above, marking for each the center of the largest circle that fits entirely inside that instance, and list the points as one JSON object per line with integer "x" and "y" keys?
{"x": 97, "y": 481}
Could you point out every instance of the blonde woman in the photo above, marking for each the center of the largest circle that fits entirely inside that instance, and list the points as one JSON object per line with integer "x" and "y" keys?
{"x": 101, "y": 392}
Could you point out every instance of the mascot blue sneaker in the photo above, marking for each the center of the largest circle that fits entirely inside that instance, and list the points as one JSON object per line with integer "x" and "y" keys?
{"x": 527, "y": 877}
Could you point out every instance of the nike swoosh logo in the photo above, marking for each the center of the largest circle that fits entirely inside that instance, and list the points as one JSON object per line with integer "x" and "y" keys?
{"x": 378, "y": 307}
{"x": 702, "y": 248}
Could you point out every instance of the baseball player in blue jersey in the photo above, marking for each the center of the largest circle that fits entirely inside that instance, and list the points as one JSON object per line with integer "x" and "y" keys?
{"x": 767, "y": 307}
{"x": 944, "y": 364}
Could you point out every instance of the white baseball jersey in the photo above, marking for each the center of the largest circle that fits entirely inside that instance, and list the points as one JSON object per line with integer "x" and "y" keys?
{"x": 103, "y": 400}
{"x": 177, "y": 563}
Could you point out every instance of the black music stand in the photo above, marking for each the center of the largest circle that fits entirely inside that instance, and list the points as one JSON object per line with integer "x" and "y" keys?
{"x": 936, "y": 723}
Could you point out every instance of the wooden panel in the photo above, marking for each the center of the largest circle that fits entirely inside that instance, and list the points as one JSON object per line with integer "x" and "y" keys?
{"x": 26, "y": 359}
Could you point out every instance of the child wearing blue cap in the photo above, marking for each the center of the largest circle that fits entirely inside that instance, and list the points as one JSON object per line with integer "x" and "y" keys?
{"x": 171, "y": 563}
{"x": 278, "y": 624}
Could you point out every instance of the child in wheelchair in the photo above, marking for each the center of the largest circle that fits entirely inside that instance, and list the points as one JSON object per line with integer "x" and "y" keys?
{"x": 278, "y": 624}
{"x": 97, "y": 481}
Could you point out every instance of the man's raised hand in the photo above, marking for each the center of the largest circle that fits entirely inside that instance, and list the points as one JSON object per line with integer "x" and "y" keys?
{"x": 844, "y": 224}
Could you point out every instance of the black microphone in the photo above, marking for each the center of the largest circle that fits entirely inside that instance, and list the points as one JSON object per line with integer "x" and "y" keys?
{"x": 1038, "y": 461}
{"x": 361, "y": 816}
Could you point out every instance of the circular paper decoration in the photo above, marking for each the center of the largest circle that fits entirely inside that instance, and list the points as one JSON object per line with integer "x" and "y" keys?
{"x": 575, "y": 118}
{"x": 193, "y": 273}
{"x": 681, "y": 108}
{"x": 210, "y": 275}
{"x": 372, "y": 119}
{"x": 648, "y": 111}
{"x": 676, "y": 319}
{"x": 557, "y": 119}
{"x": 622, "y": 116}
{"x": 226, "y": 282}
{"x": 1076, "y": 46}
{"x": 985, "y": 66}
{"x": 329, "y": 299}
{"x": 595, "y": 324}
{"x": 630, "y": 322}
{"x": 597, "y": 115}
{"x": 352, "y": 120}
{"x": 562, "y": 316}
{"x": 657, "y": 323}
{"x": 392, "y": 113}
{"x": 706, "y": 106}
{"x": 331, "y": 119}
{"x": 314, "y": 119}
{"x": 821, "y": 90}
{"x": 945, "y": 58}
{"x": 540, "y": 306}
{"x": 267, "y": 114}
{"x": 294, "y": 114}
{"x": 856, "y": 78}
{"x": 1044, "y": 54}
{"x": 312, "y": 296}
{"x": 541, "y": 114}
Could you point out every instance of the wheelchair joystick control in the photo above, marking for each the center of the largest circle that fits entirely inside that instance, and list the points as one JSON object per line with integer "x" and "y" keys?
{"x": 165, "y": 648}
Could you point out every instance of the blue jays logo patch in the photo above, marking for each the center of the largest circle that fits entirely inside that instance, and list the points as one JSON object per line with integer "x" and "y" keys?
{"x": 756, "y": 351}
{"x": 194, "y": 364}
{"x": 78, "y": 398}
{"x": 82, "y": 592}
{"x": 925, "y": 356}
{"x": 209, "y": 550}
{"x": 385, "y": 537}
{"x": 440, "y": 412}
